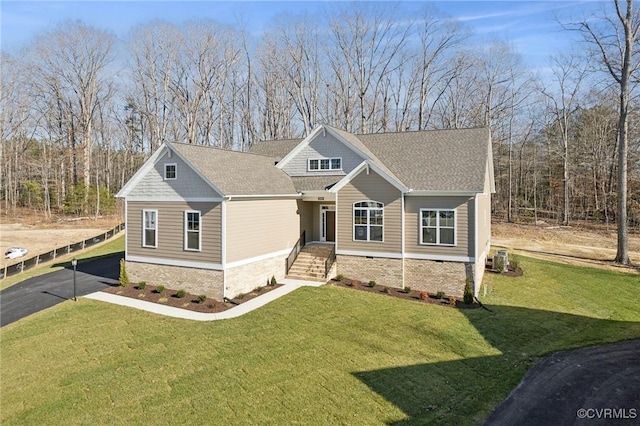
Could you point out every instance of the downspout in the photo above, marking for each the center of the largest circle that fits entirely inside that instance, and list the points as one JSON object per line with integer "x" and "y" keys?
{"x": 402, "y": 237}
{"x": 223, "y": 244}
{"x": 336, "y": 225}
{"x": 476, "y": 288}
{"x": 126, "y": 233}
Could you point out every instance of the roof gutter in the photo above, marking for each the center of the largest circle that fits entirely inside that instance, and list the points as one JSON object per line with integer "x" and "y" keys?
{"x": 263, "y": 196}
{"x": 418, "y": 193}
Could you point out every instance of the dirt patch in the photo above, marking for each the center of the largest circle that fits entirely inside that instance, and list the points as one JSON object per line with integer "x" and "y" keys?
{"x": 189, "y": 301}
{"x": 43, "y": 237}
{"x": 581, "y": 245}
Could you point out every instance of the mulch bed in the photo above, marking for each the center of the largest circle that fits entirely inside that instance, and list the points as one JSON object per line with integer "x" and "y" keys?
{"x": 511, "y": 271}
{"x": 190, "y": 301}
{"x": 414, "y": 295}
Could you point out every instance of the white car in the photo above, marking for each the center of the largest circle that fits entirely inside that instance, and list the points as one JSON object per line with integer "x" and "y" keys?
{"x": 15, "y": 252}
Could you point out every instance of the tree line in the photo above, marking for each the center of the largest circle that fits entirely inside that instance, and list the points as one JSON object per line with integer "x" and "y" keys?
{"x": 80, "y": 109}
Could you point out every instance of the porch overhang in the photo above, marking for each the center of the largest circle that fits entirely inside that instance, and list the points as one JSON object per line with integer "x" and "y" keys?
{"x": 318, "y": 195}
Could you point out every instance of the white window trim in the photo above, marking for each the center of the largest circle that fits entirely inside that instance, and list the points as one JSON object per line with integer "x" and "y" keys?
{"x": 186, "y": 212}
{"x": 455, "y": 227}
{"x": 353, "y": 216}
{"x": 144, "y": 239}
{"x": 175, "y": 165}
{"x": 319, "y": 169}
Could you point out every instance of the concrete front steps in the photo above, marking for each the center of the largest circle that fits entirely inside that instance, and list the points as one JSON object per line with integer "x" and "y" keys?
{"x": 309, "y": 265}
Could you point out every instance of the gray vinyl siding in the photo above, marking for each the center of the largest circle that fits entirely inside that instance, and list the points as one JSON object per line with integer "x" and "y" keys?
{"x": 323, "y": 147}
{"x": 260, "y": 227}
{"x": 464, "y": 225}
{"x": 186, "y": 185}
{"x": 370, "y": 187}
{"x": 170, "y": 233}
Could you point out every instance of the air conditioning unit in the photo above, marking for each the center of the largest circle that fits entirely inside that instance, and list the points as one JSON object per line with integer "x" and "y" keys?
{"x": 501, "y": 261}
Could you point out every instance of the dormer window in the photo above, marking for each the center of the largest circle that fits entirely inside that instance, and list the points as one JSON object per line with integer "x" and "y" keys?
{"x": 170, "y": 171}
{"x": 316, "y": 164}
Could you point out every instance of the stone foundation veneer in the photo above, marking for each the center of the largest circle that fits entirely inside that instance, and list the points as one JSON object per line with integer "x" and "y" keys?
{"x": 427, "y": 275}
{"x": 243, "y": 279}
{"x": 382, "y": 270}
{"x": 193, "y": 280}
{"x": 432, "y": 276}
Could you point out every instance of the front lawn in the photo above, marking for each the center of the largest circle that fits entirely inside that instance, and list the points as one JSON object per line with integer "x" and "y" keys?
{"x": 321, "y": 356}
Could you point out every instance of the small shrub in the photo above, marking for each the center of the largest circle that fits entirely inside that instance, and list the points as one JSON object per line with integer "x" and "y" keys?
{"x": 424, "y": 295}
{"x": 452, "y": 301}
{"x": 406, "y": 290}
{"x": 123, "y": 279}
{"x": 142, "y": 285}
{"x": 240, "y": 296}
{"x": 355, "y": 283}
{"x": 372, "y": 283}
{"x": 273, "y": 280}
{"x": 258, "y": 289}
{"x": 339, "y": 277}
{"x": 162, "y": 300}
{"x": 440, "y": 295}
{"x": 180, "y": 294}
{"x": 385, "y": 289}
{"x": 468, "y": 292}
{"x": 160, "y": 289}
{"x": 514, "y": 262}
{"x": 202, "y": 298}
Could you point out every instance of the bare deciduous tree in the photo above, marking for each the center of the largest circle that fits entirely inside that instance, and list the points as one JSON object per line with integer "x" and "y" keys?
{"x": 614, "y": 40}
{"x": 568, "y": 75}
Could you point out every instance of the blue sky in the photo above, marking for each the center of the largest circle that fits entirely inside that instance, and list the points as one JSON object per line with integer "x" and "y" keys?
{"x": 529, "y": 25}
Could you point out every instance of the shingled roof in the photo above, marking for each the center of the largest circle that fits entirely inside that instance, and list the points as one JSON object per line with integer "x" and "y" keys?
{"x": 429, "y": 160}
{"x": 276, "y": 148}
{"x": 435, "y": 160}
{"x": 311, "y": 183}
{"x": 236, "y": 173}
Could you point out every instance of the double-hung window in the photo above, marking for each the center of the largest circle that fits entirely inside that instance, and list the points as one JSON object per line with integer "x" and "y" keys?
{"x": 316, "y": 164}
{"x": 192, "y": 230}
{"x": 368, "y": 221}
{"x": 149, "y": 228}
{"x": 170, "y": 171}
{"x": 438, "y": 227}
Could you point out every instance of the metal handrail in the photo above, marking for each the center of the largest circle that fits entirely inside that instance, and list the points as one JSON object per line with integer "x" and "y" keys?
{"x": 328, "y": 263}
{"x": 295, "y": 251}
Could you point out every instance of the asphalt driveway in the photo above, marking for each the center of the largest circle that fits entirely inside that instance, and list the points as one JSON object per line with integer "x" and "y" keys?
{"x": 45, "y": 291}
{"x": 598, "y": 385}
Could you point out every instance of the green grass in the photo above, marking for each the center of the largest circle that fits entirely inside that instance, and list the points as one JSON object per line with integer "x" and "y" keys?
{"x": 320, "y": 356}
{"x": 114, "y": 245}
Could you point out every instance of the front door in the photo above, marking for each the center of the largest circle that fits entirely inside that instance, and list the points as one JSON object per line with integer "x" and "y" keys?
{"x": 327, "y": 223}
{"x": 331, "y": 225}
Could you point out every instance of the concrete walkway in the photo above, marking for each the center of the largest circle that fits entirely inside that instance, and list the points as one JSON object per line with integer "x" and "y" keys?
{"x": 169, "y": 311}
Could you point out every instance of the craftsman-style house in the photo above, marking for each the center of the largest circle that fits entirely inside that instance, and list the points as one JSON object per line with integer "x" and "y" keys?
{"x": 403, "y": 209}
